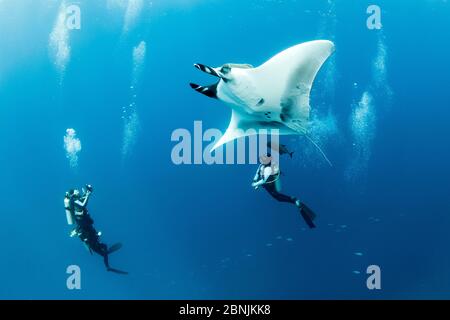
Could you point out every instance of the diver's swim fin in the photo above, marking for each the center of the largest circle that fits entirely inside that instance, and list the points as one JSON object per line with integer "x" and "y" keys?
{"x": 114, "y": 248}
{"x": 117, "y": 271}
{"x": 308, "y": 215}
{"x": 308, "y": 211}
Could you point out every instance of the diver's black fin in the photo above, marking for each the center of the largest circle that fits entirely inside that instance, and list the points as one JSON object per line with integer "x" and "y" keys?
{"x": 291, "y": 154}
{"x": 117, "y": 271}
{"x": 307, "y": 219}
{"x": 308, "y": 211}
{"x": 308, "y": 215}
{"x": 114, "y": 248}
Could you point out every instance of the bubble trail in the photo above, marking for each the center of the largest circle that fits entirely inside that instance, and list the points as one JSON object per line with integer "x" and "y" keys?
{"x": 72, "y": 145}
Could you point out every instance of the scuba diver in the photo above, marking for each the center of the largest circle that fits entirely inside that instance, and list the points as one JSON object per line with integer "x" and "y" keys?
{"x": 268, "y": 176}
{"x": 77, "y": 214}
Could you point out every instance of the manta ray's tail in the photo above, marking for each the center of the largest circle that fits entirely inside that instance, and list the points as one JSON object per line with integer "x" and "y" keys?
{"x": 301, "y": 130}
{"x": 320, "y": 150}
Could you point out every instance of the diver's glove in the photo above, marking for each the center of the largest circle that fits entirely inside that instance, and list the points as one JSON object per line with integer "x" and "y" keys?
{"x": 89, "y": 188}
{"x": 74, "y": 233}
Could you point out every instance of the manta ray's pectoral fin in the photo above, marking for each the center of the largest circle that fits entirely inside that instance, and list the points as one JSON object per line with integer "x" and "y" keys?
{"x": 233, "y": 131}
{"x": 292, "y": 73}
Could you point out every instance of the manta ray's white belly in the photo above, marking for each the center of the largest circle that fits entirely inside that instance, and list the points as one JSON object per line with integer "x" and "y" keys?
{"x": 242, "y": 95}
{"x": 241, "y": 92}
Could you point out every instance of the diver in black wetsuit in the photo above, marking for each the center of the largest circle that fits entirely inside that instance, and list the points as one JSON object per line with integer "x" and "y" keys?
{"x": 268, "y": 176}
{"x": 76, "y": 212}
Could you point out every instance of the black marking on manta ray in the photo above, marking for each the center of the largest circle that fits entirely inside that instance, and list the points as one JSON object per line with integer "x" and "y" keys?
{"x": 260, "y": 103}
{"x": 264, "y": 124}
{"x": 205, "y": 69}
{"x": 225, "y": 69}
{"x": 268, "y": 124}
{"x": 287, "y": 106}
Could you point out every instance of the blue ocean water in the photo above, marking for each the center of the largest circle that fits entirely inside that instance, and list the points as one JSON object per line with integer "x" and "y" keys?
{"x": 380, "y": 110}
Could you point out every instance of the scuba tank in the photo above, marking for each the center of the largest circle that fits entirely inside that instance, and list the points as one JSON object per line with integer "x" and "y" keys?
{"x": 68, "y": 211}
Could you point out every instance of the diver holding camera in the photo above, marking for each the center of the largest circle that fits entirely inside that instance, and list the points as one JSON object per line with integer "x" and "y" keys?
{"x": 77, "y": 214}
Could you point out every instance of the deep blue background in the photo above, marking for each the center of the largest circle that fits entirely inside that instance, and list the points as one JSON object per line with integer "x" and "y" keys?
{"x": 202, "y": 231}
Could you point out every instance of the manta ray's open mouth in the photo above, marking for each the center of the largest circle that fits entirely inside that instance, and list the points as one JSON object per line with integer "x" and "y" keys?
{"x": 209, "y": 91}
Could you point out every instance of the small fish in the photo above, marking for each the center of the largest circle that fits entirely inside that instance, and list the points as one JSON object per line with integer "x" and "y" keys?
{"x": 280, "y": 148}
{"x": 289, "y": 239}
{"x": 359, "y": 254}
{"x": 356, "y": 272}
{"x": 269, "y": 245}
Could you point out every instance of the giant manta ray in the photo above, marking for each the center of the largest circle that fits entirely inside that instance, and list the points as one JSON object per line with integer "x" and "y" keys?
{"x": 274, "y": 95}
